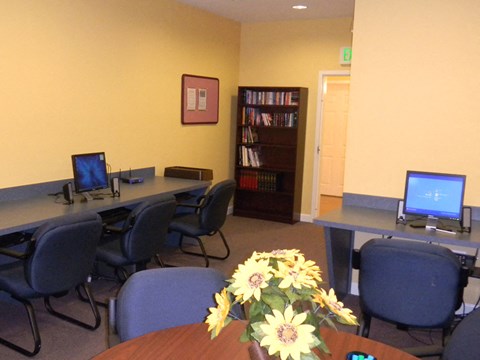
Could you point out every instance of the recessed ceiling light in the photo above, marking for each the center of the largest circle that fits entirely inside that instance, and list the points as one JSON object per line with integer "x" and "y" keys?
{"x": 299, "y": 7}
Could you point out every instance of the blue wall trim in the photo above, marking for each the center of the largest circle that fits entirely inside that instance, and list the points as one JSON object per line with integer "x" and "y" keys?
{"x": 52, "y": 187}
{"x": 384, "y": 203}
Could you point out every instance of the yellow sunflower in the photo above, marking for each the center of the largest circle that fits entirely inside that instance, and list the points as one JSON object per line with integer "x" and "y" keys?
{"x": 287, "y": 334}
{"x": 288, "y": 254}
{"x": 250, "y": 278}
{"x": 311, "y": 269}
{"x": 295, "y": 274}
{"x": 329, "y": 300}
{"x": 218, "y": 315}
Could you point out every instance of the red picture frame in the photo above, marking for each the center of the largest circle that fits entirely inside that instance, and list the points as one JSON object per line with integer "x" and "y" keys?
{"x": 199, "y": 99}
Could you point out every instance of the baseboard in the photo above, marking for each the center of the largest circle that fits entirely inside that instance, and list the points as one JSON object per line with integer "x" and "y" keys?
{"x": 306, "y": 218}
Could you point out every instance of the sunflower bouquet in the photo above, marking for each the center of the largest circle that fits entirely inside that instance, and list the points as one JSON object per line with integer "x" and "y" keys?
{"x": 286, "y": 306}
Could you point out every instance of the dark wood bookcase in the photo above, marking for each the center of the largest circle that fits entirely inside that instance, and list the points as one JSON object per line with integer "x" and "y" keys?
{"x": 270, "y": 148}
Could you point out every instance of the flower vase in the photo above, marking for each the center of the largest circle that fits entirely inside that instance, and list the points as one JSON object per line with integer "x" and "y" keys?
{"x": 259, "y": 353}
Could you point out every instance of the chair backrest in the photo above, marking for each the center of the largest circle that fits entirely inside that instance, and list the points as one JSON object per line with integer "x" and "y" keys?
{"x": 149, "y": 226}
{"x": 214, "y": 210}
{"x": 464, "y": 344}
{"x": 63, "y": 253}
{"x": 156, "y": 299}
{"x": 409, "y": 282}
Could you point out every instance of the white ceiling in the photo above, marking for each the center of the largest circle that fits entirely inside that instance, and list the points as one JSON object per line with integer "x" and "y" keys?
{"x": 248, "y": 11}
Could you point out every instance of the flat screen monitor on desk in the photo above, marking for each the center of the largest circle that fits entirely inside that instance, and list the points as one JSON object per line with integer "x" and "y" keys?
{"x": 89, "y": 173}
{"x": 431, "y": 197}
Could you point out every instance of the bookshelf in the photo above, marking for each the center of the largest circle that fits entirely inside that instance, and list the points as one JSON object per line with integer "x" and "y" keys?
{"x": 270, "y": 148}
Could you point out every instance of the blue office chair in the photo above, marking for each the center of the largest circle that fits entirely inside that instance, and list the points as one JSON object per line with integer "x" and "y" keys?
{"x": 59, "y": 258}
{"x": 464, "y": 344}
{"x": 207, "y": 220}
{"x": 161, "y": 298}
{"x": 411, "y": 284}
{"x": 139, "y": 238}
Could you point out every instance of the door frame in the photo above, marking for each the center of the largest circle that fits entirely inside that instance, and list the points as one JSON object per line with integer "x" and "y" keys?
{"x": 318, "y": 134}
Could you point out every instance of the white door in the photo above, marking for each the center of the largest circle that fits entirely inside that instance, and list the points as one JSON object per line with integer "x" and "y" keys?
{"x": 334, "y": 132}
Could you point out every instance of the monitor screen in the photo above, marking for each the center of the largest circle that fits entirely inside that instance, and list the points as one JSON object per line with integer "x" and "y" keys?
{"x": 89, "y": 172}
{"x": 434, "y": 195}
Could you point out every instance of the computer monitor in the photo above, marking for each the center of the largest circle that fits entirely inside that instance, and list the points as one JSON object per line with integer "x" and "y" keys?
{"x": 89, "y": 173}
{"x": 434, "y": 196}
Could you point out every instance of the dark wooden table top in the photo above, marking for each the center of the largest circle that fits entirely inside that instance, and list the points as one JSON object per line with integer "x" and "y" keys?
{"x": 193, "y": 342}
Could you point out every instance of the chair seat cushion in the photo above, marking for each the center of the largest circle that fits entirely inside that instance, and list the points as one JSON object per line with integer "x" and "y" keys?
{"x": 111, "y": 252}
{"x": 464, "y": 343}
{"x": 187, "y": 224}
{"x": 12, "y": 280}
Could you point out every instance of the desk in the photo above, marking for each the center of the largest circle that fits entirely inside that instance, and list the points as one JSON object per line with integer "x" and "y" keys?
{"x": 340, "y": 227}
{"x": 193, "y": 342}
{"x": 25, "y": 214}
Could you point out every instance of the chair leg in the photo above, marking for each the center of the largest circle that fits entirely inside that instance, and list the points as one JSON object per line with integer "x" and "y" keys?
{"x": 204, "y": 253}
{"x": 35, "y": 332}
{"x": 159, "y": 261}
{"x": 364, "y": 328}
{"x": 446, "y": 332}
{"x": 72, "y": 320}
{"x": 85, "y": 298}
{"x": 227, "y": 248}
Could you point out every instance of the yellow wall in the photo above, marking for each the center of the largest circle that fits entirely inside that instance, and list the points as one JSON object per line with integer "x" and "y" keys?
{"x": 82, "y": 76}
{"x": 292, "y": 53}
{"x": 414, "y": 95}
{"x": 105, "y": 76}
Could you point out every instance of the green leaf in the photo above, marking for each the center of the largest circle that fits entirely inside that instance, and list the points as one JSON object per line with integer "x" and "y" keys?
{"x": 258, "y": 310}
{"x": 309, "y": 356}
{"x": 245, "y": 337}
{"x": 274, "y": 302}
{"x": 227, "y": 321}
{"x": 330, "y": 322}
{"x": 258, "y": 334}
{"x": 323, "y": 347}
{"x": 231, "y": 289}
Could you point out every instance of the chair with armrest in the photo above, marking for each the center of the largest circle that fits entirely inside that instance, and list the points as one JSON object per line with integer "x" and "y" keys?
{"x": 464, "y": 343}
{"x": 161, "y": 298}
{"x": 139, "y": 238}
{"x": 411, "y": 284}
{"x": 207, "y": 220}
{"x": 59, "y": 258}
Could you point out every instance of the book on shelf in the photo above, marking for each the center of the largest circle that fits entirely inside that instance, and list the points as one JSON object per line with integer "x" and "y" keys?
{"x": 249, "y": 135}
{"x": 249, "y": 156}
{"x": 271, "y": 97}
{"x": 256, "y": 117}
{"x": 245, "y": 161}
{"x": 258, "y": 180}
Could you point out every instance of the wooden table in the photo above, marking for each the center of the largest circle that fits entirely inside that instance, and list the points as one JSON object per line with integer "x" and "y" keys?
{"x": 193, "y": 342}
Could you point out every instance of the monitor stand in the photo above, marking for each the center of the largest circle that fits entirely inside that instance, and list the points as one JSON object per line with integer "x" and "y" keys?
{"x": 431, "y": 223}
{"x": 86, "y": 196}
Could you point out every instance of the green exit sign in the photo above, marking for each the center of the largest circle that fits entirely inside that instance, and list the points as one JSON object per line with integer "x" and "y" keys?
{"x": 345, "y": 55}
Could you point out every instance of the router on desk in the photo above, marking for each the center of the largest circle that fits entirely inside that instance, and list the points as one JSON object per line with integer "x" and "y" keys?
{"x": 132, "y": 180}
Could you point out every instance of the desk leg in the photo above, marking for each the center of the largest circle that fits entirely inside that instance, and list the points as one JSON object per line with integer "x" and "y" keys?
{"x": 339, "y": 245}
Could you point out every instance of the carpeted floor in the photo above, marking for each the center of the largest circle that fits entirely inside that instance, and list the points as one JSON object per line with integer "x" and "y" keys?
{"x": 62, "y": 340}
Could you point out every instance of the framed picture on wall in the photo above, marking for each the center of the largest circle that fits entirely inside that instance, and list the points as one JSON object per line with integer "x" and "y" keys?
{"x": 199, "y": 99}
